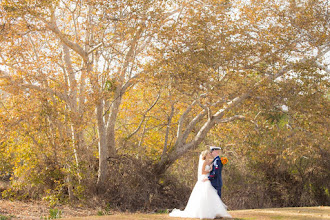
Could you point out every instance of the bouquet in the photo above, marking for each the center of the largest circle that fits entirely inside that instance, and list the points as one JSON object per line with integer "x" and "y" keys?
{"x": 224, "y": 160}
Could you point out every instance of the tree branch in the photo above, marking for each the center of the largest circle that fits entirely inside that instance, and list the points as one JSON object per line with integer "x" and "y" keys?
{"x": 167, "y": 132}
{"x": 225, "y": 120}
{"x": 143, "y": 118}
{"x": 322, "y": 67}
{"x": 71, "y": 76}
{"x": 181, "y": 120}
{"x": 74, "y": 46}
{"x": 95, "y": 48}
{"x": 4, "y": 75}
{"x": 191, "y": 126}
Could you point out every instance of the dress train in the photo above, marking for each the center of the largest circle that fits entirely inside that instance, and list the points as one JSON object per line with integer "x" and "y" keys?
{"x": 203, "y": 203}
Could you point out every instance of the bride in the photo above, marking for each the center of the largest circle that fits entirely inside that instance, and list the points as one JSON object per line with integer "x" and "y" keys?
{"x": 204, "y": 201}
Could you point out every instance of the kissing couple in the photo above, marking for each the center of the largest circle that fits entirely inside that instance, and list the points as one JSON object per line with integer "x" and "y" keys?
{"x": 205, "y": 199}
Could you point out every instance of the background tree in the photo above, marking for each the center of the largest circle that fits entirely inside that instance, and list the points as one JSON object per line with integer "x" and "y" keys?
{"x": 155, "y": 80}
{"x": 224, "y": 54}
{"x": 87, "y": 54}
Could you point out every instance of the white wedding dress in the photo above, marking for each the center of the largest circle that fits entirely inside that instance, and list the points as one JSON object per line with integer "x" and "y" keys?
{"x": 204, "y": 201}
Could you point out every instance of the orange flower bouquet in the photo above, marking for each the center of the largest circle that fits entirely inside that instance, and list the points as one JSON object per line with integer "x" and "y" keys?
{"x": 224, "y": 160}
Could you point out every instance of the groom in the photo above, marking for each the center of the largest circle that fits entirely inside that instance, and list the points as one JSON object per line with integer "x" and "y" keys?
{"x": 215, "y": 174}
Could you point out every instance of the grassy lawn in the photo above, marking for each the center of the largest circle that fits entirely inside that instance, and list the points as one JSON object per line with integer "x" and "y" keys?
{"x": 299, "y": 213}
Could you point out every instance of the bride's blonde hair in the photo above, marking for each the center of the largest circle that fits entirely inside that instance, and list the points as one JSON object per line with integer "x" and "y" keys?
{"x": 205, "y": 153}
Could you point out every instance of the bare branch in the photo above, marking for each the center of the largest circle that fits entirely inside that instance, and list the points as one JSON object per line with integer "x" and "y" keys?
{"x": 231, "y": 104}
{"x": 325, "y": 51}
{"x": 192, "y": 125}
{"x": 230, "y": 119}
{"x": 95, "y": 48}
{"x": 74, "y": 46}
{"x": 143, "y": 133}
{"x": 68, "y": 63}
{"x": 167, "y": 132}
{"x": 48, "y": 90}
{"x": 322, "y": 67}
{"x": 181, "y": 120}
{"x": 143, "y": 118}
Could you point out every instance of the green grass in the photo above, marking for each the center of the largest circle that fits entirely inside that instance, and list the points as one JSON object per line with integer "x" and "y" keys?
{"x": 53, "y": 214}
{"x": 3, "y": 217}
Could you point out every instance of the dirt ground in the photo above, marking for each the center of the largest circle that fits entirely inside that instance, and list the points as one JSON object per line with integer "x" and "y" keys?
{"x": 296, "y": 213}
{"x": 39, "y": 210}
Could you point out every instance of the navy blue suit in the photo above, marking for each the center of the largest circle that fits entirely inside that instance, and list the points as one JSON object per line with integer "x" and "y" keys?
{"x": 215, "y": 175}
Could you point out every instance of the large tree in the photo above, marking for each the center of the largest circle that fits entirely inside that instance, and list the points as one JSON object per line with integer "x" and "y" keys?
{"x": 225, "y": 54}
{"x": 85, "y": 53}
{"x": 196, "y": 62}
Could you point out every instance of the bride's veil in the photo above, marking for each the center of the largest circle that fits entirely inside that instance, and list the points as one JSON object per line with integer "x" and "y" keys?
{"x": 200, "y": 165}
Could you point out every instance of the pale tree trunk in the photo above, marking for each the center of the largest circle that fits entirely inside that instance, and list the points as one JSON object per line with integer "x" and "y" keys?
{"x": 107, "y": 114}
{"x": 74, "y": 102}
{"x": 73, "y": 99}
{"x": 107, "y": 142}
{"x": 103, "y": 151}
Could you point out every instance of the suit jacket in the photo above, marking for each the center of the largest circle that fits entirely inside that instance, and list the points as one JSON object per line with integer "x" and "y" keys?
{"x": 215, "y": 174}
